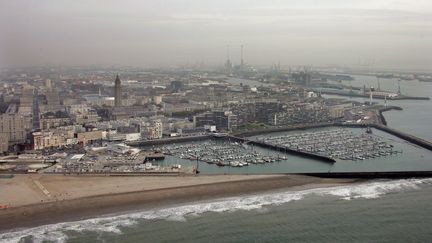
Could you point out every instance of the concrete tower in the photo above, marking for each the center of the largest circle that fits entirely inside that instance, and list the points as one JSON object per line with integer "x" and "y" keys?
{"x": 399, "y": 89}
{"x": 228, "y": 64}
{"x": 48, "y": 84}
{"x": 117, "y": 92}
{"x": 241, "y": 57}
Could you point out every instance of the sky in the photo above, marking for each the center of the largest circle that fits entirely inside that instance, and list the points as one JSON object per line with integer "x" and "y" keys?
{"x": 144, "y": 33}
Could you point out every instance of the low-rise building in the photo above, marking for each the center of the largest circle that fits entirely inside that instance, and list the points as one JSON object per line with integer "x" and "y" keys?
{"x": 50, "y": 139}
{"x": 89, "y": 136}
{"x": 338, "y": 111}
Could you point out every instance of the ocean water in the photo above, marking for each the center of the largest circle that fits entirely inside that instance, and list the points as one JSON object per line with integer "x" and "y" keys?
{"x": 375, "y": 211}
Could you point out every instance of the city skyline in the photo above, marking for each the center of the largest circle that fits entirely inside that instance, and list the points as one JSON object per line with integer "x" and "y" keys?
{"x": 234, "y": 121}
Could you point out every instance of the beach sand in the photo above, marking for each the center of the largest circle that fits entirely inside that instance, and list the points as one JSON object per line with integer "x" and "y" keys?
{"x": 42, "y": 199}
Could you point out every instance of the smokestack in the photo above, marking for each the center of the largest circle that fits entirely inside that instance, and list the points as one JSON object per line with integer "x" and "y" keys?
{"x": 228, "y": 53}
{"x": 228, "y": 64}
{"x": 241, "y": 56}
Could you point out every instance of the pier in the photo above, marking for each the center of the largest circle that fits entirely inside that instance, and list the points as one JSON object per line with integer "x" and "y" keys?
{"x": 405, "y": 136}
{"x": 375, "y": 96}
{"x": 384, "y": 109}
{"x": 335, "y": 143}
{"x": 408, "y": 137}
{"x": 221, "y": 152}
{"x": 282, "y": 149}
{"x": 168, "y": 140}
{"x": 283, "y": 129}
{"x": 241, "y": 137}
{"x": 371, "y": 175}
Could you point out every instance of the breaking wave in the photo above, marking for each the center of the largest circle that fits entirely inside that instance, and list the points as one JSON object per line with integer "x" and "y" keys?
{"x": 113, "y": 224}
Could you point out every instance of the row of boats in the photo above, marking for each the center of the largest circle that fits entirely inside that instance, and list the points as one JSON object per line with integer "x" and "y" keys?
{"x": 221, "y": 153}
{"x": 336, "y": 143}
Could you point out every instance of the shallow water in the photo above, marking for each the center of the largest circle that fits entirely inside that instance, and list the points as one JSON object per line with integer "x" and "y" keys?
{"x": 372, "y": 211}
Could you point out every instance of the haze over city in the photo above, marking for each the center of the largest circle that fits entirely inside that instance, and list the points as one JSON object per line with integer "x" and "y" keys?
{"x": 215, "y": 121}
{"x": 381, "y": 34}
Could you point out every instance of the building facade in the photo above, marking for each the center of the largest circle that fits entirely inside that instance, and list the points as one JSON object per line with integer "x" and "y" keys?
{"x": 13, "y": 130}
{"x": 117, "y": 92}
{"x": 223, "y": 120}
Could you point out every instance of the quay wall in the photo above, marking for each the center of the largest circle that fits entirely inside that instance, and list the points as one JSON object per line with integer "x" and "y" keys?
{"x": 405, "y": 136}
{"x": 298, "y": 127}
{"x": 155, "y": 173}
{"x": 371, "y": 175}
{"x": 168, "y": 140}
{"x": 335, "y": 92}
{"x": 282, "y": 129}
{"x": 241, "y": 136}
{"x": 282, "y": 149}
{"x": 388, "y": 108}
{"x": 410, "y": 138}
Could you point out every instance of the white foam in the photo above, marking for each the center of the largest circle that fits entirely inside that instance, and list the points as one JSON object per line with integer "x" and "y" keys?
{"x": 56, "y": 232}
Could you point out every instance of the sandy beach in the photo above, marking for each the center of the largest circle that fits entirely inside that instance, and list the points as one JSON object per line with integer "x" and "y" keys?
{"x": 41, "y": 199}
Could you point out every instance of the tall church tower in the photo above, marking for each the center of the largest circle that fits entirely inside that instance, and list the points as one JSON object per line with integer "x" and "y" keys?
{"x": 117, "y": 92}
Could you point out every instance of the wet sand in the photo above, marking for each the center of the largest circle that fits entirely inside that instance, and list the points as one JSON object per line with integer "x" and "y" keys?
{"x": 37, "y": 200}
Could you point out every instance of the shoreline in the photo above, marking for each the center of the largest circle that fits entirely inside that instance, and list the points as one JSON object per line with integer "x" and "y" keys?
{"x": 38, "y": 214}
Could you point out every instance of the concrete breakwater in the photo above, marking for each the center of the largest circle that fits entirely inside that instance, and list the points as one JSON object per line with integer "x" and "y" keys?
{"x": 388, "y": 108}
{"x": 168, "y": 140}
{"x": 281, "y": 149}
{"x": 371, "y": 175}
{"x": 408, "y": 137}
{"x": 8, "y": 174}
{"x": 405, "y": 136}
{"x": 375, "y": 96}
{"x": 240, "y": 137}
{"x": 282, "y": 129}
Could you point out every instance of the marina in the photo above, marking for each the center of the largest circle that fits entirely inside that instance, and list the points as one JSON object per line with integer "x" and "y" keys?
{"x": 412, "y": 156}
{"x": 221, "y": 153}
{"x": 337, "y": 143}
{"x": 351, "y": 149}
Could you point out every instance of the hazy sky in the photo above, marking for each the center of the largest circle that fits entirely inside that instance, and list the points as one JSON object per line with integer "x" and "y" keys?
{"x": 157, "y": 32}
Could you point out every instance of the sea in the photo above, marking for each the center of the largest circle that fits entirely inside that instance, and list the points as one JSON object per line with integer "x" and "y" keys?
{"x": 372, "y": 211}
{"x": 375, "y": 211}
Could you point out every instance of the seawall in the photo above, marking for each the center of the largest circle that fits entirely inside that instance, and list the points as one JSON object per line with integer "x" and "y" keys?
{"x": 281, "y": 129}
{"x": 168, "y": 140}
{"x": 347, "y": 94}
{"x": 282, "y": 149}
{"x": 372, "y": 175}
{"x": 388, "y": 108}
{"x": 410, "y": 138}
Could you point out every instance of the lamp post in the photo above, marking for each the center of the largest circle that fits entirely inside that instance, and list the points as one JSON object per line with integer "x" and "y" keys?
{"x": 197, "y": 164}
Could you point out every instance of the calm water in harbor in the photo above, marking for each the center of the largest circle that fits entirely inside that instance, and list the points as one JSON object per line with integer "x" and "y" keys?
{"x": 416, "y": 116}
{"x": 411, "y": 158}
{"x": 377, "y": 211}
